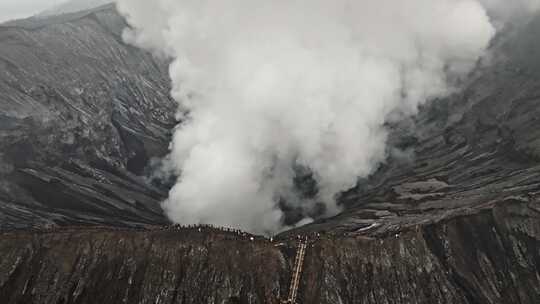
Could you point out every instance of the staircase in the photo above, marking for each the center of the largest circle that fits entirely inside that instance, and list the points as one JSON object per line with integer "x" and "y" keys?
{"x": 297, "y": 272}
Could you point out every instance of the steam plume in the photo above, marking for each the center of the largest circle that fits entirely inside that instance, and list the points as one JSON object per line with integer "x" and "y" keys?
{"x": 269, "y": 86}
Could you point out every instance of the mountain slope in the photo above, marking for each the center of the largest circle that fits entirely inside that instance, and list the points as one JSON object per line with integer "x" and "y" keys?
{"x": 478, "y": 147}
{"x": 82, "y": 114}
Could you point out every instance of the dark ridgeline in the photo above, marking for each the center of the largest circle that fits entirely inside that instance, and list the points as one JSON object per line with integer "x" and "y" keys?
{"x": 82, "y": 114}
{"x": 488, "y": 256}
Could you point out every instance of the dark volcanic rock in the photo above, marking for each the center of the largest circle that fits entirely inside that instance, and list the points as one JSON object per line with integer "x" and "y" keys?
{"x": 479, "y": 146}
{"x": 81, "y": 116}
{"x": 489, "y": 256}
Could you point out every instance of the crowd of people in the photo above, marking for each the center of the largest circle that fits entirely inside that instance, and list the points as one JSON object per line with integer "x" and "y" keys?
{"x": 203, "y": 228}
{"x": 236, "y": 233}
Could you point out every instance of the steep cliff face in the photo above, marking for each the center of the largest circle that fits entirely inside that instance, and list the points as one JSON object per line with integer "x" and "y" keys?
{"x": 137, "y": 267}
{"x": 489, "y": 256}
{"x": 81, "y": 116}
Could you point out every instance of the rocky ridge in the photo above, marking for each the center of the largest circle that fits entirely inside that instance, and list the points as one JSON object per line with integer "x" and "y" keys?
{"x": 492, "y": 256}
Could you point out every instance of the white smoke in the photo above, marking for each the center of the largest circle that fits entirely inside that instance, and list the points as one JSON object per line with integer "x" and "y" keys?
{"x": 273, "y": 85}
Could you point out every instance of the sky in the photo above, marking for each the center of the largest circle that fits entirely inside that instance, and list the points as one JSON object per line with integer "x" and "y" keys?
{"x": 15, "y": 9}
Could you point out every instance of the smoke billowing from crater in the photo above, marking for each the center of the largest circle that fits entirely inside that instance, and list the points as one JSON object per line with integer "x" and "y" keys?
{"x": 269, "y": 86}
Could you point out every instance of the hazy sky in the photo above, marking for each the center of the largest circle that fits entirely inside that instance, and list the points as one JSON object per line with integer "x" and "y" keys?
{"x": 13, "y": 9}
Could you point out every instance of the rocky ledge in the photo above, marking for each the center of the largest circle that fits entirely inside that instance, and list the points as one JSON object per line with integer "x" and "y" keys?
{"x": 491, "y": 255}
